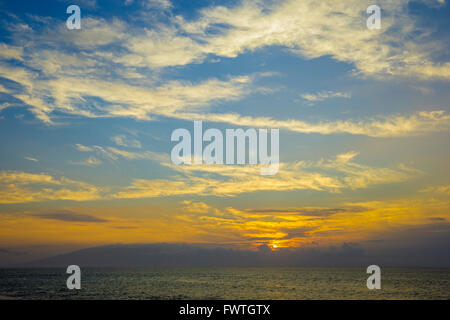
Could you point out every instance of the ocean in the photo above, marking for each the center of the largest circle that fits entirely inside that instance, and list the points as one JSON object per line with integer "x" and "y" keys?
{"x": 225, "y": 283}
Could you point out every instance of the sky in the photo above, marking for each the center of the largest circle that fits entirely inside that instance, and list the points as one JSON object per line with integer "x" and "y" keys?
{"x": 86, "y": 118}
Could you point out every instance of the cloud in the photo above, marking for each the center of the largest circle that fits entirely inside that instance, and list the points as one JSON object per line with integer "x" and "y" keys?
{"x": 151, "y": 4}
{"x": 390, "y": 220}
{"x": 359, "y": 176}
{"x": 120, "y": 99}
{"x": 142, "y": 188}
{"x": 22, "y": 187}
{"x": 5, "y": 104}
{"x": 68, "y": 216}
{"x": 395, "y": 125}
{"x": 295, "y": 233}
{"x": 312, "y": 212}
{"x": 32, "y": 159}
{"x": 83, "y": 148}
{"x": 437, "y": 190}
{"x": 332, "y": 28}
{"x": 228, "y": 181}
{"x": 162, "y": 48}
{"x": 159, "y": 4}
{"x": 83, "y": 3}
{"x": 113, "y": 154}
{"x": 91, "y": 161}
{"x": 70, "y": 72}
{"x": 324, "y": 95}
{"x": 10, "y": 52}
{"x": 124, "y": 227}
{"x": 123, "y": 141}
{"x": 196, "y": 207}
{"x": 144, "y": 155}
{"x": 333, "y": 175}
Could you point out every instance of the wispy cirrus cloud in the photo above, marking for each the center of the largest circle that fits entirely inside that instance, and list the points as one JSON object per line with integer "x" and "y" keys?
{"x": 91, "y": 161}
{"x": 437, "y": 190}
{"x": 21, "y": 187}
{"x": 123, "y": 141}
{"x": 332, "y": 175}
{"x": 329, "y": 29}
{"x": 113, "y": 153}
{"x": 395, "y": 125}
{"x": 312, "y": 98}
{"x": 83, "y": 148}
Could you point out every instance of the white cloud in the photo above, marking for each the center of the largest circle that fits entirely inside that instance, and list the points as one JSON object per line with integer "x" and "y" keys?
{"x": 120, "y": 99}
{"x": 196, "y": 207}
{"x": 162, "y": 48}
{"x": 144, "y": 155}
{"x": 383, "y": 126}
{"x": 113, "y": 154}
{"x": 333, "y": 175}
{"x": 10, "y": 52}
{"x": 83, "y": 148}
{"x": 314, "y": 30}
{"x": 93, "y": 161}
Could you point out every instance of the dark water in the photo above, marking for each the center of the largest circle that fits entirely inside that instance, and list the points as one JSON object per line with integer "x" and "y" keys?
{"x": 225, "y": 283}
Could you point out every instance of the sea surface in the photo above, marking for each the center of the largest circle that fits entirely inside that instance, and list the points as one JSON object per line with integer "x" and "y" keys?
{"x": 225, "y": 283}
